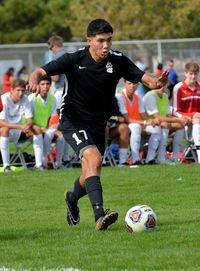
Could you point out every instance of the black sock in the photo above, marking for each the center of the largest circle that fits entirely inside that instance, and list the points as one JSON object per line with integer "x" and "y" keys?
{"x": 95, "y": 194}
{"x": 78, "y": 192}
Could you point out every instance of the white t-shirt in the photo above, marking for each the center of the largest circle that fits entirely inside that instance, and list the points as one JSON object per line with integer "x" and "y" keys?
{"x": 58, "y": 96}
{"x": 122, "y": 104}
{"x": 150, "y": 104}
{"x": 31, "y": 98}
{"x": 13, "y": 112}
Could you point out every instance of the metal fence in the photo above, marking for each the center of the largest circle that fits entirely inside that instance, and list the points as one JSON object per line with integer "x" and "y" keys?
{"x": 149, "y": 51}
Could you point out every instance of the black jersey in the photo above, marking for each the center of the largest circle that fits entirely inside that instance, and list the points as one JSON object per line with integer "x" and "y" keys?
{"x": 91, "y": 84}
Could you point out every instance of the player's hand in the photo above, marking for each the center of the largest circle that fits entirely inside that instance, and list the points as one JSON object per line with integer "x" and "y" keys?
{"x": 157, "y": 121}
{"x": 25, "y": 127}
{"x": 162, "y": 80}
{"x": 34, "y": 78}
{"x": 186, "y": 120}
{"x": 33, "y": 86}
{"x": 150, "y": 122}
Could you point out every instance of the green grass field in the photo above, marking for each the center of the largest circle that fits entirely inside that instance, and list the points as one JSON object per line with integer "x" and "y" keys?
{"x": 34, "y": 234}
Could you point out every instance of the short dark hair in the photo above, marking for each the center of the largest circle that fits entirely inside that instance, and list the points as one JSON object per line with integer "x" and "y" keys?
{"x": 45, "y": 78}
{"x": 98, "y": 26}
{"x": 160, "y": 66}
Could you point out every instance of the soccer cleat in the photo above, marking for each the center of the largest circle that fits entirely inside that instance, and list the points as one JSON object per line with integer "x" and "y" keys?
{"x": 7, "y": 169}
{"x": 104, "y": 221}
{"x": 138, "y": 163}
{"x": 124, "y": 164}
{"x": 72, "y": 210}
{"x": 40, "y": 168}
{"x": 151, "y": 162}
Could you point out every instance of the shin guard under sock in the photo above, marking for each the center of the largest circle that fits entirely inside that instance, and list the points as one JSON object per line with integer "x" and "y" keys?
{"x": 78, "y": 192}
{"x": 95, "y": 193}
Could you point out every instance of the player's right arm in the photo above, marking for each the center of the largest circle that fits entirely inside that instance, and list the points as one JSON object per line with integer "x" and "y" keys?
{"x": 34, "y": 79}
{"x": 155, "y": 82}
{"x": 4, "y": 123}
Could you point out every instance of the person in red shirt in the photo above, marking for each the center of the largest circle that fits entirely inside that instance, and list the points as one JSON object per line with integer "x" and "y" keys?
{"x": 7, "y": 79}
{"x": 186, "y": 102}
{"x": 159, "y": 69}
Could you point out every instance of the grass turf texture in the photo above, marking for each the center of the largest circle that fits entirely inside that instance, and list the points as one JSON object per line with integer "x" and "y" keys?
{"x": 34, "y": 235}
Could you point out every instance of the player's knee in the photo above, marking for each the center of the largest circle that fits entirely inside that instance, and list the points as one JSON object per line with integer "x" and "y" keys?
{"x": 196, "y": 118}
{"x": 135, "y": 128}
{"x": 37, "y": 130}
{"x": 4, "y": 131}
{"x": 123, "y": 129}
{"x": 92, "y": 157}
{"x": 156, "y": 130}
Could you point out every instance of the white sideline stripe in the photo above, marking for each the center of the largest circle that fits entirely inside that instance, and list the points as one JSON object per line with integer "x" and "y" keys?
{"x": 43, "y": 269}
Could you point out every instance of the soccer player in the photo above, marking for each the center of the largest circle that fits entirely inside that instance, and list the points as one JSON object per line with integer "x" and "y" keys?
{"x": 93, "y": 73}
{"x": 186, "y": 102}
{"x": 15, "y": 107}
{"x": 43, "y": 107}
{"x": 156, "y": 103}
{"x": 132, "y": 108}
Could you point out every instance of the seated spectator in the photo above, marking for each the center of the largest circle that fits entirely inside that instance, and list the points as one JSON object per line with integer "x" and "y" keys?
{"x": 15, "y": 107}
{"x": 133, "y": 111}
{"x": 43, "y": 107}
{"x": 156, "y": 105}
{"x": 117, "y": 128}
{"x": 186, "y": 102}
{"x": 7, "y": 79}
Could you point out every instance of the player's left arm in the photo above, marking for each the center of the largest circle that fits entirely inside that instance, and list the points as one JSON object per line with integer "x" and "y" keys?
{"x": 155, "y": 82}
{"x": 27, "y": 127}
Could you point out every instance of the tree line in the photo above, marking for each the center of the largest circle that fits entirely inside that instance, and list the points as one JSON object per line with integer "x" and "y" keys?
{"x": 28, "y": 21}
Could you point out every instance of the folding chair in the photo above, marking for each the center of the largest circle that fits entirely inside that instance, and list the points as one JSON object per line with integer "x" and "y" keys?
{"x": 108, "y": 157}
{"x": 189, "y": 149}
{"x": 18, "y": 155}
{"x": 189, "y": 152}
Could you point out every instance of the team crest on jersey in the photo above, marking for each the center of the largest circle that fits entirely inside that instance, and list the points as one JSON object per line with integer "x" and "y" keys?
{"x": 109, "y": 67}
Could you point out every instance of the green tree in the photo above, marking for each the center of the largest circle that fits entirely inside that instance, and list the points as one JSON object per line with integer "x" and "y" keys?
{"x": 26, "y": 21}
{"x": 139, "y": 19}
{"x": 33, "y": 21}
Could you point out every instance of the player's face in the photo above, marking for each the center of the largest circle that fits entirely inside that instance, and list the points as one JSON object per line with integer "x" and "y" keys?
{"x": 17, "y": 94}
{"x": 130, "y": 88}
{"x": 162, "y": 90}
{"x": 100, "y": 46}
{"x": 44, "y": 86}
{"x": 191, "y": 77}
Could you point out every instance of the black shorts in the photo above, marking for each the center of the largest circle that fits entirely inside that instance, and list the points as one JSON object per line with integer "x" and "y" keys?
{"x": 80, "y": 135}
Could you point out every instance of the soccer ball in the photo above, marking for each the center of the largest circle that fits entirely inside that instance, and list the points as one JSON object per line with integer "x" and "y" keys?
{"x": 140, "y": 218}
